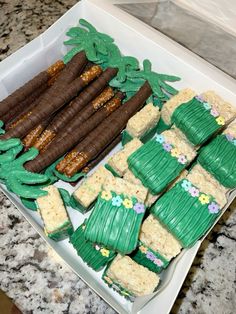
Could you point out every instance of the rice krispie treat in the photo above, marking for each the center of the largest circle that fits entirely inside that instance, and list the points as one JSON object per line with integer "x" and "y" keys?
{"x": 142, "y": 125}
{"x": 159, "y": 161}
{"x": 203, "y": 116}
{"x": 88, "y": 191}
{"x": 169, "y": 107}
{"x": 157, "y": 246}
{"x": 117, "y": 216}
{"x": 219, "y": 157}
{"x": 94, "y": 255}
{"x": 188, "y": 210}
{"x": 199, "y": 177}
{"x": 57, "y": 224}
{"x": 129, "y": 278}
{"x": 117, "y": 164}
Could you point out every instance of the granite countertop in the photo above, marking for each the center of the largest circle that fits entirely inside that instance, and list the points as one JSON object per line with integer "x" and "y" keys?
{"x": 36, "y": 278}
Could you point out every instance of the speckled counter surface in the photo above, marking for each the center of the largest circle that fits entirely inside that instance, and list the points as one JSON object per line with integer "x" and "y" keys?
{"x": 30, "y": 272}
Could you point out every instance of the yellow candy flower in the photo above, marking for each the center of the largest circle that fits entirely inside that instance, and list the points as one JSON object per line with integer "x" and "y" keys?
{"x": 108, "y": 279}
{"x": 175, "y": 152}
{"x": 105, "y": 252}
{"x": 143, "y": 249}
{"x": 204, "y": 199}
{"x": 220, "y": 120}
{"x": 106, "y": 195}
{"x": 127, "y": 203}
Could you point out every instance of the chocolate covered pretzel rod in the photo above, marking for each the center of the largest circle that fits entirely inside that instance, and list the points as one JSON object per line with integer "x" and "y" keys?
{"x": 15, "y": 112}
{"x": 88, "y": 126}
{"x": 59, "y": 147}
{"x": 52, "y": 130}
{"x": 24, "y": 91}
{"x": 106, "y": 131}
{"x": 53, "y": 100}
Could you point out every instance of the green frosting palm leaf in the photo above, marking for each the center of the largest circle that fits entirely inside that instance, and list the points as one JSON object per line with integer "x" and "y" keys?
{"x": 15, "y": 176}
{"x": 88, "y": 40}
{"x": 157, "y": 81}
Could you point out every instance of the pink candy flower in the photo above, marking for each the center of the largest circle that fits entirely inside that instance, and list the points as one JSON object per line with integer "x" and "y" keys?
{"x": 158, "y": 262}
{"x": 214, "y": 112}
{"x": 194, "y": 192}
{"x": 182, "y": 159}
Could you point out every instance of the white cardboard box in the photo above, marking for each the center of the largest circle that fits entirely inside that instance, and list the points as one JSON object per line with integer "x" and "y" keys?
{"x": 137, "y": 39}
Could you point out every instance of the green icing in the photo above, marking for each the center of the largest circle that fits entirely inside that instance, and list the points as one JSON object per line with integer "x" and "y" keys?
{"x": 29, "y": 203}
{"x": 145, "y": 256}
{"x": 124, "y": 64}
{"x": 76, "y": 205}
{"x": 2, "y": 131}
{"x": 161, "y": 127}
{"x": 157, "y": 81}
{"x": 184, "y": 215}
{"x": 93, "y": 255}
{"x": 126, "y": 137}
{"x": 115, "y": 222}
{"x": 154, "y": 166}
{"x": 117, "y": 287}
{"x": 87, "y": 39}
{"x": 65, "y": 178}
{"x": 195, "y": 121}
{"x": 219, "y": 158}
{"x": 112, "y": 170}
{"x": 18, "y": 180}
{"x": 62, "y": 232}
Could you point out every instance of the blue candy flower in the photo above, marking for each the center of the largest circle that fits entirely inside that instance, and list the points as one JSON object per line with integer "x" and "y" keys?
{"x": 117, "y": 201}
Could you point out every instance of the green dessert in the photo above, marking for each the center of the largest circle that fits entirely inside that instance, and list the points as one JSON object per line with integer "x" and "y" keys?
{"x": 186, "y": 212}
{"x": 219, "y": 158}
{"x": 159, "y": 161}
{"x": 92, "y": 254}
{"x": 117, "y": 216}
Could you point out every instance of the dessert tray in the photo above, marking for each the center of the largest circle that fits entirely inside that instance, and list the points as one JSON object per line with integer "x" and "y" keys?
{"x": 136, "y": 39}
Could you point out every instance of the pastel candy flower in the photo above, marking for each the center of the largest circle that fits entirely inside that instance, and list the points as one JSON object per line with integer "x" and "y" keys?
{"x": 186, "y": 185}
{"x": 214, "y": 112}
{"x": 194, "y": 192}
{"x": 127, "y": 203}
{"x": 213, "y": 208}
{"x": 160, "y": 138}
{"x": 206, "y": 105}
{"x": 220, "y": 120}
{"x": 175, "y": 152}
{"x": 117, "y": 201}
{"x": 234, "y": 142}
{"x": 204, "y": 199}
{"x": 199, "y": 98}
{"x": 97, "y": 247}
{"x": 167, "y": 147}
{"x": 182, "y": 159}
{"x": 105, "y": 252}
{"x": 158, "y": 262}
{"x": 229, "y": 137}
{"x": 106, "y": 195}
{"x": 139, "y": 208}
{"x": 83, "y": 227}
{"x": 150, "y": 256}
{"x": 143, "y": 249}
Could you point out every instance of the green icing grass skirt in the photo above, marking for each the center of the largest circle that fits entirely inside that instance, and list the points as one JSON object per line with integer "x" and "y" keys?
{"x": 154, "y": 166}
{"x": 186, "y": 212}
{"x": 115, "y": 222}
